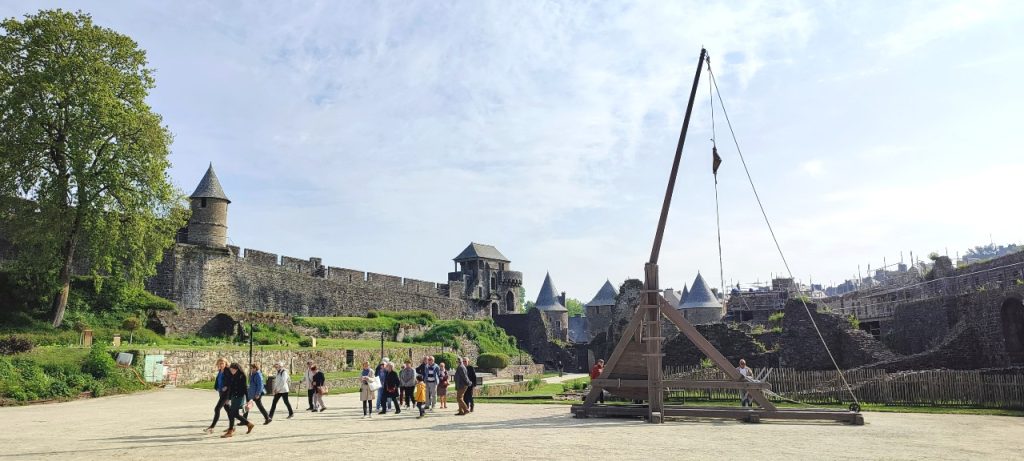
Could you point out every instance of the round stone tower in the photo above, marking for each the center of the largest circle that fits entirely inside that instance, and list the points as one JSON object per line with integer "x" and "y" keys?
{"x": 208, "y": 225}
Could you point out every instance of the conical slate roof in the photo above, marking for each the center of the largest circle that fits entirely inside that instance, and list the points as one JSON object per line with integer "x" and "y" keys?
{"x": 605, "y": 296}
{"x": 686, "y": 292}
{"x": 672, "y": 296}
{"x": 481, "y": 251}
{"x": 547, "y": 299}
{"x": 209, "y": 187}
{"x": 700, "y": 295}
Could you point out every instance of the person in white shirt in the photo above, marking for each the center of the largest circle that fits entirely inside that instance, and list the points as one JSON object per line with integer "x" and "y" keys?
{"x": 748, "y": 374}
{"x": 280, "y": 390}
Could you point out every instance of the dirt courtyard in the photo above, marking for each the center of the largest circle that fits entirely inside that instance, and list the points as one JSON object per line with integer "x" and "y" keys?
{"x": 168, "y": 424}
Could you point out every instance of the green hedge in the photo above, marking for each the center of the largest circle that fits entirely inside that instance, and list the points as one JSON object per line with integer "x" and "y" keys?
{"x": 359, "y": 324}
{"x": 492, "y": 361}
{"x": 448, "y": 358}
{"x": 418, "y": 317}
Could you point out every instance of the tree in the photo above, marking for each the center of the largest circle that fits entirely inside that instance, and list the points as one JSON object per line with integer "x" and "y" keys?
{"x": 574, "y": 306}
{"x": 83, "y": 158}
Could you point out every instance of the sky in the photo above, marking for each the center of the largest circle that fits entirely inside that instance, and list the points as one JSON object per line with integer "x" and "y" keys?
{"x": 386, "y": 136}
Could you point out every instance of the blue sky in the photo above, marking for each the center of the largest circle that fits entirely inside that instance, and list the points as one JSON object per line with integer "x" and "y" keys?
{"x": 385, "y": 136}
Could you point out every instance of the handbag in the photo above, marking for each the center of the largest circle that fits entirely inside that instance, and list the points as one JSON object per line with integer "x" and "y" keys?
{"x": 374, "y": 384}
{"x": 322, "y": 390}
{"x": 392, "y": 390}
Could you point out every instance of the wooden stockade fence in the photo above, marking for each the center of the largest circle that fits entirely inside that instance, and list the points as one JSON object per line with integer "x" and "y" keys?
{"x": 905, "y": 388}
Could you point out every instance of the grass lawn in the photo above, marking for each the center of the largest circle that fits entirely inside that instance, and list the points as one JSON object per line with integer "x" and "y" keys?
{"x": 62, "y": 356}
{"x": 321, "y": 343}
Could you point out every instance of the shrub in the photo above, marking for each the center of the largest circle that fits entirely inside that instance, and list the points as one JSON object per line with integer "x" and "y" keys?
{"x": 492, "y": 361}
{"x": 306, "y": 342}
{"x": 15, "y": 344}
{"x": 447, "y": 357}
{"x": 359, "y": 324}
{"x": 131, "y": 323}
{"x": 854, "y": 321}
{"x": 419, "y": 317}
{"x": 99, "y": 362}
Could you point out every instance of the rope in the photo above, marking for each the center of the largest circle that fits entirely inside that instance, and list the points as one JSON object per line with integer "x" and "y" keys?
{"x": 718, "y": 218}
{"x": 778, "y": 247}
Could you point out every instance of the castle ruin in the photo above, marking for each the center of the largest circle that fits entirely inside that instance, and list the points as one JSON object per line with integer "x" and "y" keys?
{"x": 206, "y": 276}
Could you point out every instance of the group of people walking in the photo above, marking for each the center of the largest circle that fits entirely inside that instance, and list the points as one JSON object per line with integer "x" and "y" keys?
{"x": 236, "y": 395}
{"x": 424, "y": 386}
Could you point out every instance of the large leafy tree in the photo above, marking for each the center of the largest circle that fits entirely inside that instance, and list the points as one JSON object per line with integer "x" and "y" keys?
{"x": 83, "y": 158}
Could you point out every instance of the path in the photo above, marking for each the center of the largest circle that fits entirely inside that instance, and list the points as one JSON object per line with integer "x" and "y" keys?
{"x": 167, "y": 424}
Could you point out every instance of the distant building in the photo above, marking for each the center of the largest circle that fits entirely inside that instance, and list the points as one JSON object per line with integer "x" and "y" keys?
{"x": 701, "y": 305}
{"x": 552, "y": 305}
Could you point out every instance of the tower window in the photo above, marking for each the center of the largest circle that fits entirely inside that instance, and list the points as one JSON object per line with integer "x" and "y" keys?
{"x": 202, "y": 202}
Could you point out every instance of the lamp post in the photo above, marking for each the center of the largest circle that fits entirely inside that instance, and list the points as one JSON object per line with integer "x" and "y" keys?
{"x": 382, "y": 345}
{"x": 250, "y": 343}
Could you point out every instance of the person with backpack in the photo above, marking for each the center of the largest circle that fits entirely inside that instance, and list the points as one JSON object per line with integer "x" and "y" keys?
{"x": 238, "y": 392}
{"x": 408, "y": 378}
{"x": 319, "y": 389}
{"x": 281, "y": 390}
{"x": 220, "y": 384}
{"x": 256, "y": 392}
{"x": 595, "y": 373}
{"x": 391, "y": 385}
{"x": 421, "y": 396}
{"x": 366, "y": 390}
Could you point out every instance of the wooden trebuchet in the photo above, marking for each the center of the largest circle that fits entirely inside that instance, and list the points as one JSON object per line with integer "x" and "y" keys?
{"x": 634, "y": 369}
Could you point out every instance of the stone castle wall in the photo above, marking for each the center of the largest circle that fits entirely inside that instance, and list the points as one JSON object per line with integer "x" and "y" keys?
{"x": 220, "y": 280}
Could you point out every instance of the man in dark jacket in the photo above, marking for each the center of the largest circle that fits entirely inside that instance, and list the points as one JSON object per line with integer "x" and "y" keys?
{"x": 462, "y": 384}
{"x": 471, "y": 372}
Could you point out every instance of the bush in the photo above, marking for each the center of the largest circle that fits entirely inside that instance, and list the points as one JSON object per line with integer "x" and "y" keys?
{"x": 359, "y": 324}
{"x": 306, "y": 342}
{"x": 418, "y": 317}
{"x": 492, "y": 361}
{"x": 15, "y": 344}
{"x": 447, "y": 358}
{"x": 99, "y": 363}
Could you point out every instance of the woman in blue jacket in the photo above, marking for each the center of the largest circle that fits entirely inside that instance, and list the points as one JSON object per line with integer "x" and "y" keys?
{"x": 256, "y": 391}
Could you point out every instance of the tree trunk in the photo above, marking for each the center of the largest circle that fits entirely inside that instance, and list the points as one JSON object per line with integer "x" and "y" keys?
{"x": 60, "y": 303}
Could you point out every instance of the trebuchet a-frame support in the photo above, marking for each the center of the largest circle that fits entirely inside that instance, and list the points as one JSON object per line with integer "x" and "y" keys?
{"x": 634, "y": 370}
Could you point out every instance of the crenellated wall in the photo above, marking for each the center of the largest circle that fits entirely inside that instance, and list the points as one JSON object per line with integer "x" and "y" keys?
{"x": 219, "y": 279}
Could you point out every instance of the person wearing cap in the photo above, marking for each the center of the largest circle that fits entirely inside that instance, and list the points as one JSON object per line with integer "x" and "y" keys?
{"x": 280, "y": 390}
{"x": 382, "y": 374}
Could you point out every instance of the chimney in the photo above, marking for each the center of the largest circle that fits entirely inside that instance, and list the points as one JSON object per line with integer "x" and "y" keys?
{"x": 561, "y": 298}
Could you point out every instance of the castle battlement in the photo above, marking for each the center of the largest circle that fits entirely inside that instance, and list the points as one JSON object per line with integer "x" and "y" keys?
{"x": 314, "y": 267}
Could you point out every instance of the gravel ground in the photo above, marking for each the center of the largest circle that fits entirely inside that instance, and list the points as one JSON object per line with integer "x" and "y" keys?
{"x": 168, "y": 424}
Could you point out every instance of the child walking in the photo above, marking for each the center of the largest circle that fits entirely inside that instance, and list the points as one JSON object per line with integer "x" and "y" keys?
{"x": 420, "y": 395}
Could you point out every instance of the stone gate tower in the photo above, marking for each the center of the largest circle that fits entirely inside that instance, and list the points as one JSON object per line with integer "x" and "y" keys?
{"x": 208, "y": 225}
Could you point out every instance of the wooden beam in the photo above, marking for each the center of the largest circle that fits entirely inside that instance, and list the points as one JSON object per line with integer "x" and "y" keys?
{"x": 620, "y": 348}
{"x": 723, "y": 413}
{"x": 691, "y": 333}
{"x": 680, "y": 384}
